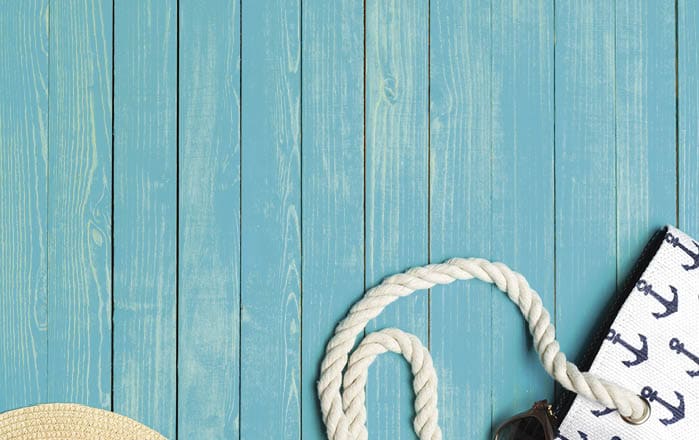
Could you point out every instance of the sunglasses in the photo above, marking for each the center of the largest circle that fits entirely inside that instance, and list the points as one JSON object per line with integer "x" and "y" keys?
{"x": 535, "y": 424}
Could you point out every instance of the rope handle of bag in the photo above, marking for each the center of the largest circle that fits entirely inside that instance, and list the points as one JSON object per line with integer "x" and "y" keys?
{"x": 343, "y": 376}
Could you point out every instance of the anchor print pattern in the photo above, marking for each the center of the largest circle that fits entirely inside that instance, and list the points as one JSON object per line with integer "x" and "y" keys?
{"x": 583, "y": 436}
{"x": 677, "y": 411}
{"x": 678, "y": 347}
{"x": 675, "y": 242}
{"x": 670, "y": 305}
{"x": 653, "y": 344}
{"x": 602, "y": 412}
{"x": 640, "y": 354}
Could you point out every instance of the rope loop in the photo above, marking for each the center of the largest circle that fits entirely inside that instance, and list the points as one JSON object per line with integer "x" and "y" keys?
{"x": 343, "y": 377}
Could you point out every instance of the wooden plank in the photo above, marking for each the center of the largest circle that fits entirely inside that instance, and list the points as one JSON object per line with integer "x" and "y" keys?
{"x": 332, "y": 182}
{"x": 209, "y": 219}
{"x": 145, "y": 212}
{"x": 645, "y": 125}
{"x": 522, "y": 191}
{"x": 585, "y": 169}
{"x": 79, "y": 203}
{"x": 688, "y": 116}
{"x": 460, "y": 209}
{"x": 396, "y": 191}
{"x": 23, "y": 201}
{"x": 271, "y": 228}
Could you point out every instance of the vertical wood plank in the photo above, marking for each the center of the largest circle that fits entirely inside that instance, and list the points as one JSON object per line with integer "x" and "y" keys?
{"x": 522, "y": 191}
{"x": 688, "y": 114}
{"x": 396, "y": 190}
{"x": 271, "y": 220}
{"x": 460, "y": 209}
{"x": 645, "y": 125}
{"x": 209, "y": 219}
{"x": 80, "y": 197}
{"x": 585, "y": 168}
{"x": 23, "y": 199}
{"x": 145, "y": 212}
{"x": 332, "y": 182}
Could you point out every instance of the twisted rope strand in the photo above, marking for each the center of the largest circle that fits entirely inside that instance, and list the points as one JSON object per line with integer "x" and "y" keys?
{"x": 342, "y": 383}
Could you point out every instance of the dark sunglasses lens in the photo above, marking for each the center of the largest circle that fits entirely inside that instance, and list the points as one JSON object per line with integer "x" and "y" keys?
{"x": 526, "y": 428}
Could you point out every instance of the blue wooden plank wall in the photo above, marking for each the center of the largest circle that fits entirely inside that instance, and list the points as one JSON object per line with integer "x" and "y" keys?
{"x": 271, "y": 221}
{"x": 24, "y": 94}
{"x": 396, "y": 189}
{"x": 333, "y": 181}
{"x": 145, "y": 212}
{"x": 523, "y": 185}
{"x": 194, "y": 192}
{"x": 460, "y": 150}
{"x": 79, "y": 219}
{"x": 208, "y": 291}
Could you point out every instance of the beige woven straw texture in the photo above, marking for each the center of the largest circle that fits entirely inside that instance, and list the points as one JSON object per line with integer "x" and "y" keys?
{"x": 62, "y": 421}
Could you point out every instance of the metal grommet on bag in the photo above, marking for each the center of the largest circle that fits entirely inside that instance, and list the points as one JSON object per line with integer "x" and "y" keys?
{"x": 644, "y": 417}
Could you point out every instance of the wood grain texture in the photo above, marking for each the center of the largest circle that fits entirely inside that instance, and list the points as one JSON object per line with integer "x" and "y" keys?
{"x": 145, "y": 212}
{"x": 584, "y": 168}
{"x": 272, "y": 162}
{"x": 522, "y": 185}
{"x": 645, "y": 125}
{"x": 79, "y": 203}
{"x": 688, "y": 114}
{"x": 209, "y": 220}
{"x": 396, "y": 191}
{"x": 23, "y": 200}
{"x": 332, "y": 180}
{"x": 271, "y": 221}
{"x": 461, "y": 209}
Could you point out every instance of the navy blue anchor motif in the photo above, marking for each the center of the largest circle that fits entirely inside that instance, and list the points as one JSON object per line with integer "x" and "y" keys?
{"x": 602, "y": 412}
{"x": 670, "y": 305}
{"x": 640, "y": 354}
{"x": 677, "y": 411}
{"x": 652, "y": 396}
{"x": 675, "y": 242}
{"x": 677, "y": 346}
{"x": 583, "y": 436}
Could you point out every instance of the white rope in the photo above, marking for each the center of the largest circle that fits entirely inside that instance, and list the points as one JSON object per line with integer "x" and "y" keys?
{"x": 343, "y": 378}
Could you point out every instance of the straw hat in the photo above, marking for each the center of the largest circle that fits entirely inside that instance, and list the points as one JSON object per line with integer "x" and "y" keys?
{"x": 63, "y": 421}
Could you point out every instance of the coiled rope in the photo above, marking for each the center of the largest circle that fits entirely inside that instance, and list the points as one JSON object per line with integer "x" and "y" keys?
{"x": 343, "y": 378}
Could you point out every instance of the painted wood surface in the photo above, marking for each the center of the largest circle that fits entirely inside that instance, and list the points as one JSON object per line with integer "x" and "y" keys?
{"x": 208, "y": 320}
{"x": 688, "y": 116}
{"x": 193, "y": 193}
{"x": 332, "y": 182}
{"x": 145, "y": 212}
{"x": 24, "y": 105}
{"x": 585, "y": 205}
{"x": 646, "y": 152}
{"x": 80, "y": 203}
{"x": 396, "y": 189}
{"x": 522, "y": 183}
{"x": 270, "y": 371}
{"x": 460, "y": 182}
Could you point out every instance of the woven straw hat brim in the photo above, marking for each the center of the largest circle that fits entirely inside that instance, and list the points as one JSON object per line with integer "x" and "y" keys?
{"x": 62, "y": 421}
